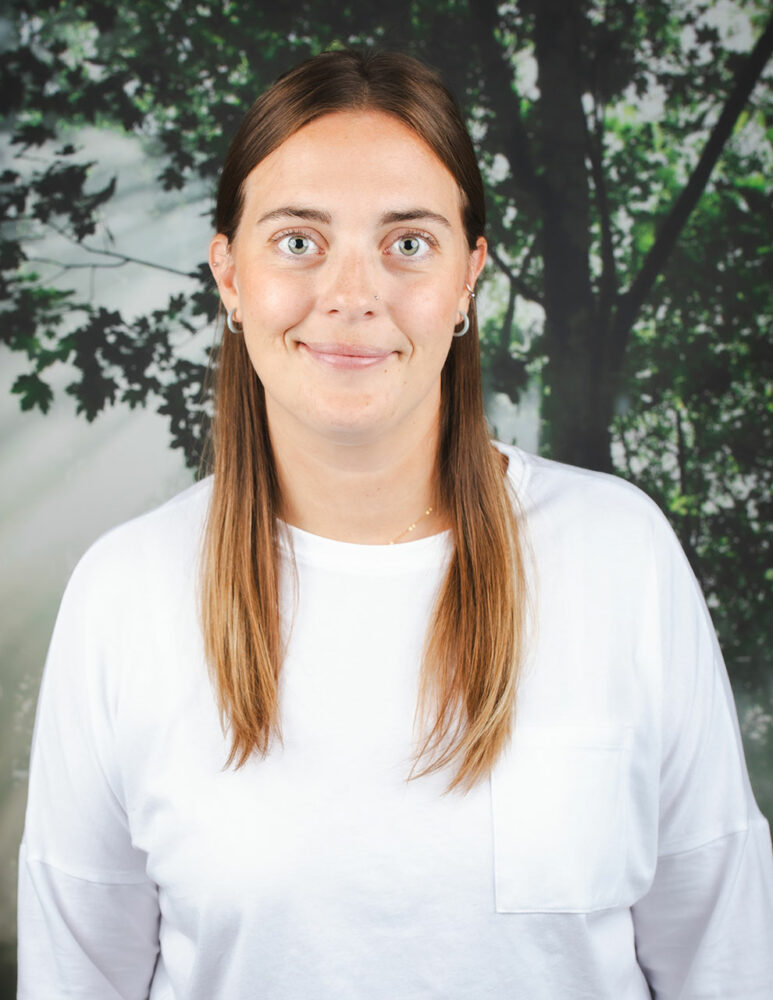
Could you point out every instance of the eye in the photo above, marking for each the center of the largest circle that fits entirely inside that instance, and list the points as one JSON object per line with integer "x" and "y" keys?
{"x": 297, "y": 244}
{"x": 416, "y": 245}
{"x": 409, "y": 246}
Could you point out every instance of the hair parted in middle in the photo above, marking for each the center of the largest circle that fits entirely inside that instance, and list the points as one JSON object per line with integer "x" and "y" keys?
{"x": 475, "y": 641}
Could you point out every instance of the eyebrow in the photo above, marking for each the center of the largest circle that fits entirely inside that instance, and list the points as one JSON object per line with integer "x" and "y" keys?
{"x": 317, "y": 215}
{"x": 310, "y": 214}
{"x": 412, "y": 215}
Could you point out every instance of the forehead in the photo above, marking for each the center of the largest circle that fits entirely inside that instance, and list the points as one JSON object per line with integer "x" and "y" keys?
{"x": 355, "y": 156}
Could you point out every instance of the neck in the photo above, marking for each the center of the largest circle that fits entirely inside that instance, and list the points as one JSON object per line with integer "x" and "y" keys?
{"x": 367, "y": 493}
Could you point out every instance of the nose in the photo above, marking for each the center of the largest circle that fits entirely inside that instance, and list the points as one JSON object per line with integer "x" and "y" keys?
{"x": 349, "y": 292}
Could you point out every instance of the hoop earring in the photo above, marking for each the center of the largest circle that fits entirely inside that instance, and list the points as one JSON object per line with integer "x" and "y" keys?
{"x": 231, "y": 323}
{"x": 465, "y": 324}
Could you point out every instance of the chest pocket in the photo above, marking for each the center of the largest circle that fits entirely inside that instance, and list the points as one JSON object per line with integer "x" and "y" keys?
{"x": 560, "y": 819}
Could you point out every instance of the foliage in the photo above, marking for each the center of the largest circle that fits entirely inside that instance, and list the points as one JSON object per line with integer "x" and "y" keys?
{"x": 696, "y": 431}
{"x": 598, "y": 123}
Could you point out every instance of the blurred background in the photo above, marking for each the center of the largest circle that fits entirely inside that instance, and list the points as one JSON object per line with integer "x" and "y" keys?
{"x": 626, "y": 311}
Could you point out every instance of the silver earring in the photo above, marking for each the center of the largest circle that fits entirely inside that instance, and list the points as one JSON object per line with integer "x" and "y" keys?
{"x": 465, "y": 324}
{"x": 465, "y": 317}
{"x": 231, "y": 323}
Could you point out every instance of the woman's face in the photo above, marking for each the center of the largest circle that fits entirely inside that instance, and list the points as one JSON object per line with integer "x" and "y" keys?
{"x": 347, "y": 273}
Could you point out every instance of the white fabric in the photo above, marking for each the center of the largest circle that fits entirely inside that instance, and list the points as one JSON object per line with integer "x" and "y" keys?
{"x": 616, "y": 849}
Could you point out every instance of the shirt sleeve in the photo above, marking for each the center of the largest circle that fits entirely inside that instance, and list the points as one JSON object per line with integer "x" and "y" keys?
{"x": 705, "y": 927}
{"x": 88, "y": 914}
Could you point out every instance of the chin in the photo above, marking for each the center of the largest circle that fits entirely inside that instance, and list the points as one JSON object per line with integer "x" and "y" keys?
{"x": 353, "y": 426}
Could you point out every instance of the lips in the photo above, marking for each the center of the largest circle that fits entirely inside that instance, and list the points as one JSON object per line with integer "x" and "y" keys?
{"x": 353, "y": 356}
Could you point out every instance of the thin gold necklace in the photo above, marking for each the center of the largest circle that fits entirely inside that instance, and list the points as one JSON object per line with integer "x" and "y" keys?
{"x": 409, "y": 529}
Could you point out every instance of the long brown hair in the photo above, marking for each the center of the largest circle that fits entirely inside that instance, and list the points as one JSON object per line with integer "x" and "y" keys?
{"x": 474, "y": 643}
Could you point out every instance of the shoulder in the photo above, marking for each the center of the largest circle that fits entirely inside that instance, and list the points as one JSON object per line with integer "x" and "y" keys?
{"x": 131, "y": 585}
{"x": 134, "y": 558}
{"x": 563, "y": 494}
{"x": 592, "y": 523}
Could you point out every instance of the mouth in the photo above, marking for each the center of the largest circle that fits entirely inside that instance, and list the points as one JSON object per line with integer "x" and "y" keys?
{"x": 352, "y": 356}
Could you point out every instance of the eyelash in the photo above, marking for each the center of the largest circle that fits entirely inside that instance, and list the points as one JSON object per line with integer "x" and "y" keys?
{"x": 277, "y": 239}
{"x": 415, "y": 234}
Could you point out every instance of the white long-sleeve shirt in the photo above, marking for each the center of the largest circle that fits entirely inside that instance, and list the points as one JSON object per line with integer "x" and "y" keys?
{"x": 616, "y": 849}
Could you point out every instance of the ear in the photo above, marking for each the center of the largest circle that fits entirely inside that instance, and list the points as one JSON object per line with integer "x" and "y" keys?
{"x": 221, "y": 264}
{"x": 475, "y": 263}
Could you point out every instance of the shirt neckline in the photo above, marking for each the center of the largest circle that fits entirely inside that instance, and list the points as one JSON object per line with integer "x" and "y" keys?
{"x": 422, "y": 553}
{"x": 330, "y": 553}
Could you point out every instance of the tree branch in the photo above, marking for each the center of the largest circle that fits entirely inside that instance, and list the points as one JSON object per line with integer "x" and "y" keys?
{"x": 608, "y": 285}
{"x": 746, "y": 79}
{"x": 122, "y": 257}
{"x": 629, "y": 473}
{"x": 521, "y": 287}
{"x": 75, "y": 266}
{"x": 688, "y": 534}
{"x": 506, "y": 330}
{"x": 508, "y": 123}
{"x": 128, "y": 259}
{"x": 681, "y": 450}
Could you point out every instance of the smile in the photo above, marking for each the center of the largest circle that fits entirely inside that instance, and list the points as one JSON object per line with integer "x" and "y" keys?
{"x": 346, "y": 355}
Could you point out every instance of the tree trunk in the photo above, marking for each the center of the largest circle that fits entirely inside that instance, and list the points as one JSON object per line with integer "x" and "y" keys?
{"x": 576, "y": 407}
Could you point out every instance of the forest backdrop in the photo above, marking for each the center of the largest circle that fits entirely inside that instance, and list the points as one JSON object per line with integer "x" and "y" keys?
{"x": 627, "y": 149}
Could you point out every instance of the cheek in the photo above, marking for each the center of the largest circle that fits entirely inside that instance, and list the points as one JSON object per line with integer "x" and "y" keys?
{"x": 274, "y": 305}
{"x": 427, "y": 315}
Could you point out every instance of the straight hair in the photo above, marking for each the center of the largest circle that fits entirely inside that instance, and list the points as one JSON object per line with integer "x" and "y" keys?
{"x": 475, "y": 642}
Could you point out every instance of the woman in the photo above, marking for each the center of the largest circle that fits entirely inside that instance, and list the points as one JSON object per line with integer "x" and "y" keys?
{"x": 219, "y": 798}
